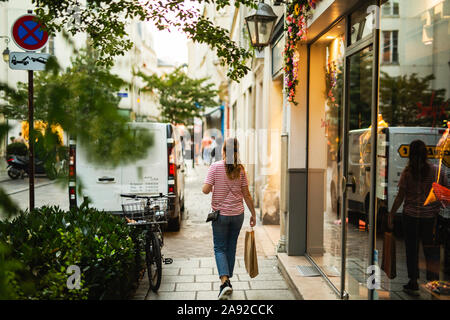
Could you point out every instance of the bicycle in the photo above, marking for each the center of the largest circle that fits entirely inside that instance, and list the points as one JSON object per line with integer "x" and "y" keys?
{"x": 148, "y": 214}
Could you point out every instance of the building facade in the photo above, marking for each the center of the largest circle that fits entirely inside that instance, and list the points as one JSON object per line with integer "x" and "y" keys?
{"x": 373, "y": 77}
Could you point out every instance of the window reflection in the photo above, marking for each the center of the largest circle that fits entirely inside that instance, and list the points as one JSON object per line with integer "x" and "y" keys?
{"x": 412, "y": 150}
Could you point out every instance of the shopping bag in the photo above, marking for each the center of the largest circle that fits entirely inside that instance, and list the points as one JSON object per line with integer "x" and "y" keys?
{"x": 250, "y": 257}
{"x": 388, "y": 263}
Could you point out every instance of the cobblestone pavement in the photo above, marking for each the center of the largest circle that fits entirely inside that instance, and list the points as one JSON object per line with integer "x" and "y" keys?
{"x": 193, "y": 274}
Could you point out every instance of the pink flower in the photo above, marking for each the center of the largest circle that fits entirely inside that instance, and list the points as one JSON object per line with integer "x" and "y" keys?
{"x": 290, "y": 84}
{"x": 290, "y": 29}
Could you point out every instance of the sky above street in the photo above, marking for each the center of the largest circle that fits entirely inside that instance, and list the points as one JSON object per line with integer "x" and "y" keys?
{"x": 172, "y": 46}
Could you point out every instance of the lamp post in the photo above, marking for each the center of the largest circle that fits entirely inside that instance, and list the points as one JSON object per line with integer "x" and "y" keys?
{"x": 260, "y": 24}
{"x": 5, "y": 52}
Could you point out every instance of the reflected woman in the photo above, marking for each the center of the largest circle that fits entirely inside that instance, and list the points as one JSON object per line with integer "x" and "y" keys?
{"x": 418, "y": 220}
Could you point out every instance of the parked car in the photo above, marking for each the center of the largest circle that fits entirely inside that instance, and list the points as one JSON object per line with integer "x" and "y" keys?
{"x": 161, "y": 171}
{"x": 392, "y": 154}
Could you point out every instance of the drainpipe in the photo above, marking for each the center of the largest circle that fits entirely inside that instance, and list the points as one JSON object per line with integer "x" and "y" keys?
{"x": 281, "y": 247}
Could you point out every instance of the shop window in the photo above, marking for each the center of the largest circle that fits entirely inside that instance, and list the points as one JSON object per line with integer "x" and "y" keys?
{"x": 412, "y": 148}
{"x": 390, "y": 47}
{"x": 277, "y": 57}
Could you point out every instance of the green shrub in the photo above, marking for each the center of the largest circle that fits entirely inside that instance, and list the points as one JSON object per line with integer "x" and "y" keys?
{"x": 17, "y": 148}
{"x": 48, "y": 240}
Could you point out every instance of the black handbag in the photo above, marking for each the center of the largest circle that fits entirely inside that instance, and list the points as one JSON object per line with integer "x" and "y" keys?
{"x": 213, "y": 216}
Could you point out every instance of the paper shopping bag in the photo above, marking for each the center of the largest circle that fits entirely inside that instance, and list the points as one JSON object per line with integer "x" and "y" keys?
{"x": 388, "y": 263}
{"x": 250, "y": 257}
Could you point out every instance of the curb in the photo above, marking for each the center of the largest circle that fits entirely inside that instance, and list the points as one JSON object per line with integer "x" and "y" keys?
{"x": 289, "y": 280}
{"x": 35, "y": 187}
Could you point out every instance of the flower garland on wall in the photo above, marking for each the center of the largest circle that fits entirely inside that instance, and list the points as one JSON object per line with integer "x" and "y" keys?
{"x": 297, "y": 13}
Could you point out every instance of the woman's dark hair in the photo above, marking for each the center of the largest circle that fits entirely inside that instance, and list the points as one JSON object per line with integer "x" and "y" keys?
{"x": 418, "y": 166}
{"x": 231, "y": 156}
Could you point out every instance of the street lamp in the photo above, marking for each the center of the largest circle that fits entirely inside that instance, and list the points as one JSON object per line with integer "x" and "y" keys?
{"x": 5, "y": 53}
{"x": 260, "y": 24}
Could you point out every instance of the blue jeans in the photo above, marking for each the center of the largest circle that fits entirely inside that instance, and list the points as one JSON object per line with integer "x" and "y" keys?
{"x": 225, "y": 235}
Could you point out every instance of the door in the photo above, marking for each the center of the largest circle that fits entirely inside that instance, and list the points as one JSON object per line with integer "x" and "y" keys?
{"x": 356, "y": 182}
{"x": 148, "y": 175}
{"x": 101, "y": 184}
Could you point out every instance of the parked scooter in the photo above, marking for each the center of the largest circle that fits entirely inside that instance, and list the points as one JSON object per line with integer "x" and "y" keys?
{"x": 18, "y": 166}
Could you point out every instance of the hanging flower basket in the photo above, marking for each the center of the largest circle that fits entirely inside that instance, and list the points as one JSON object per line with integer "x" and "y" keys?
{"x": 297, "y": 14}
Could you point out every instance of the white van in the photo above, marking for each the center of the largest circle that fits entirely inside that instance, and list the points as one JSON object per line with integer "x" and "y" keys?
{"x": 161, "y": 171}
{"x": 392, "y": 157}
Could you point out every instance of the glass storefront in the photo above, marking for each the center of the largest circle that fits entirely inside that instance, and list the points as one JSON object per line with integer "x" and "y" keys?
{"x": 325, "y": 132}
{"x": 414, "y": 93}
{"x": 378, "y": 151}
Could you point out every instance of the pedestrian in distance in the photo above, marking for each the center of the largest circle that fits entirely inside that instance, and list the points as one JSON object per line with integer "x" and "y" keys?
{"x": 19, "y": 139}
{"x": 213, "y": 150}
{"x": 418, "y": 220}
{"x": 228, "y": 183}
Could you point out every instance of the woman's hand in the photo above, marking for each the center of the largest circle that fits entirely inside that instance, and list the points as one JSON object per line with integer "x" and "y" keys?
{"x": 252, "y": 221}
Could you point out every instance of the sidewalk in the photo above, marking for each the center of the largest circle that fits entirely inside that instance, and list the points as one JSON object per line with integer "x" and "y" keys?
{"x": 308, "y": 288}
{"x": 193, "y": 274}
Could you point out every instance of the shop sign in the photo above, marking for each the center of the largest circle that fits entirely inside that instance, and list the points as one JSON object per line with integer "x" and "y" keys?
{"x": 433, "y": 153}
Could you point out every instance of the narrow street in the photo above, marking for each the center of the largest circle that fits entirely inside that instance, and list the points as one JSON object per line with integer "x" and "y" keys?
{"x": 47, "y": 192}
{"x": 193, "y": 274}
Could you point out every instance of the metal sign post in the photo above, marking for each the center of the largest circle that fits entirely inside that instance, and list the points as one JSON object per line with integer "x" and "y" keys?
{"x": 31, "y": 136}
{"x": 30, "y": 35}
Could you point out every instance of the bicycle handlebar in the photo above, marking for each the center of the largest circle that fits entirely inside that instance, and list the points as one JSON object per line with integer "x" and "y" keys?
{"x": 135, "y": 196}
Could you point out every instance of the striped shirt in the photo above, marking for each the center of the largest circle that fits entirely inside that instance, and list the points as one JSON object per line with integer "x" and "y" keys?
{"x": 227, "y": 194}
{"x": 417, "y": 193}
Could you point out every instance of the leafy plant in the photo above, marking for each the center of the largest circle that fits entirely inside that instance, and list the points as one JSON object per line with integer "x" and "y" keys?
{"x": 180, "y": 97}
{"x": 48, "y": 240}
{"x": 105, "y": 22}
{"x": 83, "y": 101}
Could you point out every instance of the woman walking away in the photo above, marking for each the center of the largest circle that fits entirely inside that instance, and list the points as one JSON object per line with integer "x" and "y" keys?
{"x": 228, "y": 182}
{"x": 418, "y": 220}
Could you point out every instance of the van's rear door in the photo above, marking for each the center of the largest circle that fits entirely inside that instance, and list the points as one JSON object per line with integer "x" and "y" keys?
{"x": 148, "y": 175}
{"x": 100, "y": 184}
{"x": 399, "y": 141}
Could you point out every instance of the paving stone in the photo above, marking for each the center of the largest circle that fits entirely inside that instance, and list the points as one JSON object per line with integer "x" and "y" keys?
{"x": 269, "y": 295}
{"x": 183, "y": 264}
{"x": 207, "y": 278}
{"x": 182, "y": 278}
{"x": 169, "y": 286}
{"x": 261, "y": 277}
{"x": 213, "y": 295}
{"x": 262, "y": 270}
{"x": 171, "y": 296}
{"x": 195, "y": 271}
{"x": 171, "y": 271}
{"x": 194, "y": 286}
{"x": 268, "y": 285}
{"x": 209, "y": 263}
{"x": 236, "y": 285}
{"x": 261, "y": 263}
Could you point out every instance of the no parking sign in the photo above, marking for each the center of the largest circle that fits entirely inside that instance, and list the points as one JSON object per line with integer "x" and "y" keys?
{"x": 28, "y": 33}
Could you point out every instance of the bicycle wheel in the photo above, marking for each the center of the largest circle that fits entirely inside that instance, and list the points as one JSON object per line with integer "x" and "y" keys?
{"x": 154, "y": 261}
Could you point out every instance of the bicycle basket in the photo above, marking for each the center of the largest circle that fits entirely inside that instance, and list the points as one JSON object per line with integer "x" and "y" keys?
{"x": 134, "y": 209}
{"x": 160, "y": 208}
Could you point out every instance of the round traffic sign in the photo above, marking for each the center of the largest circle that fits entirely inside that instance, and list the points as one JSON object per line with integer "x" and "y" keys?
{"x": 28, "y": 33}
